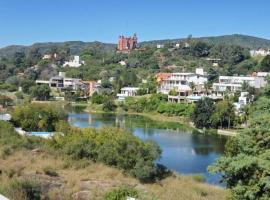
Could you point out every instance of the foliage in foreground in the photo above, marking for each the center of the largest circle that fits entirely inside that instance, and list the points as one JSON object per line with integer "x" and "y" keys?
{"x": 246, "y": 164}
{"x": 112, "y": 146}
{"x": 22, "y": 189}
{"x": 121, "y": 193}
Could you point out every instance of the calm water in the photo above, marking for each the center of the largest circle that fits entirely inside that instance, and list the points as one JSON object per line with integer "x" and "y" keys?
{"x": 182, "y": 151}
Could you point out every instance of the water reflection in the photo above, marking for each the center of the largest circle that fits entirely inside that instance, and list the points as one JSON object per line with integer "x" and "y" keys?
{"x": 181, "y": 151}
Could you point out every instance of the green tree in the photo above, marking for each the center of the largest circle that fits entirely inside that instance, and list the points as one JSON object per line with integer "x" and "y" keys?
{"x": 245, "y": 165}
{"x": 224, "y": 114}
{"x": 202, "y": 114}
{"x": 265, "y": 64}
{"x": 40, "y": 92}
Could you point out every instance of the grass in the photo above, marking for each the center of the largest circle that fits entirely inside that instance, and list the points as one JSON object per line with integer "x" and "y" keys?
{"x": 100, "y": 179}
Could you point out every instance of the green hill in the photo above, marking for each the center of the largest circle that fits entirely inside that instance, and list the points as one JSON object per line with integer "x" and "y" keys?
{"x": 76, "y": 46}
{"x": 235, "y": 39}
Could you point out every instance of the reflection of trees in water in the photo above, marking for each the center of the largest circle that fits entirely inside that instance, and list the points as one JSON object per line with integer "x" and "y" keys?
{"x": 75, "y": 108}
{"x": 205, "y": 144}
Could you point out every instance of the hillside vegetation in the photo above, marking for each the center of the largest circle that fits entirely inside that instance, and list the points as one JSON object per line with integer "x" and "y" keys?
{"x": 77, "y": 46}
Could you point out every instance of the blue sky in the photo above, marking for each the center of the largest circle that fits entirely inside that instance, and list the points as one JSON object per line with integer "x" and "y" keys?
{"x": 29, "y": 21}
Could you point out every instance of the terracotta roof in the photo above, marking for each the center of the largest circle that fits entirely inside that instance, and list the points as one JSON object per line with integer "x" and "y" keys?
{"x": 163, "y": 75}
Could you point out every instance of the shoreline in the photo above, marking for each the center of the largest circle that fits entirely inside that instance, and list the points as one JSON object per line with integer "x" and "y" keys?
{"x": 162, "y": 118}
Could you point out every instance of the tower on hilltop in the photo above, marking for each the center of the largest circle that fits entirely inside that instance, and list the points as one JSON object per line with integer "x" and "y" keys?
{"x": 125, "y": 44}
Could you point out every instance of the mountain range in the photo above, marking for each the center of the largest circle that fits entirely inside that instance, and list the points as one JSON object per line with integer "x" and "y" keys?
{"x": 76, "y": 46}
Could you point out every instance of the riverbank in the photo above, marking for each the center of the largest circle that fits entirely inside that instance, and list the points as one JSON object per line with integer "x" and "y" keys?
{"x": 183, "y": 121}
{"x": 161, "y": 118}
{"x": 66, "y": 179}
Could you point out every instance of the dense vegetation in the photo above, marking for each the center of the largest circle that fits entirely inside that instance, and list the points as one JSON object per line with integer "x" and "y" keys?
{"x": 208, "y": 114}
{"x": 114, "y": 147}
{"x": 38, "y": 117}
{"x": 246, "y": 163}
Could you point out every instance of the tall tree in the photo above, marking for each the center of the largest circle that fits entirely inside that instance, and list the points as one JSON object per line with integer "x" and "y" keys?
{"x": 203, "y": 111}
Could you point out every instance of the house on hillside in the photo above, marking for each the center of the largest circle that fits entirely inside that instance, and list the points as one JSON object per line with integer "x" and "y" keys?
{"x": 259, "y": 52}
{"x": 182, "y": 84}
{"x": 127, "y": 92}
{"x": 61, "y": 82}
{"x": 75, "y": 62}
{"x": 231, "y": 84}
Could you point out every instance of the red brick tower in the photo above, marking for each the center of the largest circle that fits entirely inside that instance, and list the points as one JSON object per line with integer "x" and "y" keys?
{"x": 127, "y": 43}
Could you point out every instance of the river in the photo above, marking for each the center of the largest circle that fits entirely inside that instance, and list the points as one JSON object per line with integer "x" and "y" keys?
{"x": 182, "y": 151}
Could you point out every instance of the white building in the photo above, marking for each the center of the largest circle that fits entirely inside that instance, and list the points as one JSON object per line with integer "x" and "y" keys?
{"x": 234, "y": 83}
{"x": 76, "y": 62}
{"x": 160, "y": 46}
{"x": 260, "y": 52}
{"x": 127, "y": 92}
{"x": 242, "y": 100}
{"x": 61, "y": 82}
{"x": 184, "y": 84}
{"x": 122, "y": 63}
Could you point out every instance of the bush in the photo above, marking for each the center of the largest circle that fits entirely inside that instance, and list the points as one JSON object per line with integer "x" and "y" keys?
{"x": 38, "y": 117}
{"x": 177, "y": 109}
{"x": 198, "y": 178}
{"x": 112, "y": 146}
{"x": 50, "y": 171}
{"x": 109, "y": 106}
{"x": 97, "y": 98}
{"x": 121, "y": 193}
{"x": 22, "y": 189}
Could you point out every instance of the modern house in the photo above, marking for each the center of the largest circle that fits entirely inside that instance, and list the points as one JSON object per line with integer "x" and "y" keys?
{"x": 61, "y": 82}
{"x": 232, "y": 84}
{"x": 183, "y": 84}
{"x": 127, "y": 92}
{"x": 76, "y": 62}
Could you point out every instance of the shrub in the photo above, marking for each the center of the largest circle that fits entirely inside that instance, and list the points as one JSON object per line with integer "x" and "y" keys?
{"x": 109, "y": 106}
{"x": 97, "y": 98}
{"x": 112, "y": 146}
{"x": 50, "y": 171}
{"x": 21, "y": 189}
{"x": 38, "y": 117}
{"x": 198, "y": 178}
{"x": 121, "y": 193}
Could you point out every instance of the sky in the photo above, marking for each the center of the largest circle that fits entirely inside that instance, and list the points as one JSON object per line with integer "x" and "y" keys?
{"x": 24, "y": 22}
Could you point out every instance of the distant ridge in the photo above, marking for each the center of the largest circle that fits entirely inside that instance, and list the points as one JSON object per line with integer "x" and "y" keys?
{"x": 76, "y": 46}
{"x": 234, "y": 39}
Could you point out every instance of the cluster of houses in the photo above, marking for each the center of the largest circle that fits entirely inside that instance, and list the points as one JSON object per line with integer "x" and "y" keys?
{"x": 191, "y": 87}
{"x": 63, "y": 83}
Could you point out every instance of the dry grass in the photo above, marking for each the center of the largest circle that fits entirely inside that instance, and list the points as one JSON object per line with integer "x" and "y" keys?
{"x": 102, "y": 178}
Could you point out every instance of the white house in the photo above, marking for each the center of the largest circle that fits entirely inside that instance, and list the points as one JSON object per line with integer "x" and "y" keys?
{"x": 160, "y": 46}
{"x": 127, "y": 92}
{"x": 61, "y": 82}
{"x": 76, "y": 62}
{"x": 184, "y": 84}
{"x": 259, "y": 52}
{"x": 242, "y": 100}
{"x": 234, "y": 83}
